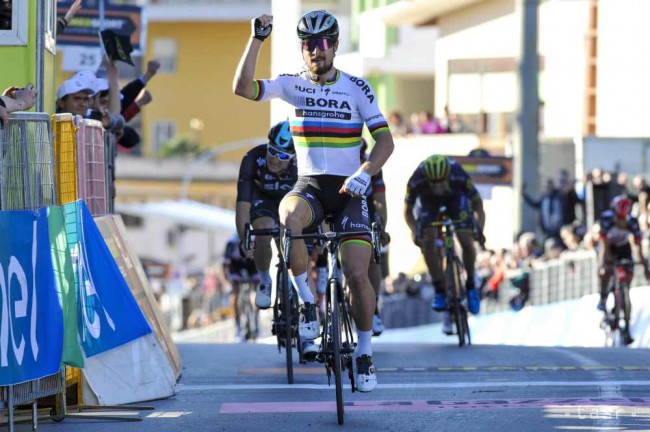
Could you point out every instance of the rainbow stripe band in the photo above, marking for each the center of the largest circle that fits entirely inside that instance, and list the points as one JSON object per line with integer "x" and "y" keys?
{"x": 379, "y": 128}
{"x": 363, "y": 241}
{"x": 320, "y": 142}
{"x": 259, "y": 90}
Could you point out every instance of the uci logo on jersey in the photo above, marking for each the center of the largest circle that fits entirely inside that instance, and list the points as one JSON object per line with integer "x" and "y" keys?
{"x": 327, "y": 103}
{"x": 304, "y": 89}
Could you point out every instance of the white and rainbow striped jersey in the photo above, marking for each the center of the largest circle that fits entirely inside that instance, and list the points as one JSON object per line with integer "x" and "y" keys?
{"x": 327, "y": 120}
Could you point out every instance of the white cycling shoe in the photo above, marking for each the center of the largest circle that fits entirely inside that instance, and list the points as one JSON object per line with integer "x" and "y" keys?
{"x": 309, "y": 350}
{"x": 366, "y": 375}
{"x": 308, "y": 327}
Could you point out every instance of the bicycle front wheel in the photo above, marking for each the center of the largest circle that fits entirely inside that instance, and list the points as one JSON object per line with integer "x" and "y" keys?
{"x": 336, "y": 349}
{"x": 287, "y": 333}
{"x": 456, "y": 300}
{"x": 627, "y": 311}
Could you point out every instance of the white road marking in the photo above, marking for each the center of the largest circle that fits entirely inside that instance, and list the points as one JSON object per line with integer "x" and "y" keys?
{"x": 604, "y": 390}
{"x": 439, "y": 385}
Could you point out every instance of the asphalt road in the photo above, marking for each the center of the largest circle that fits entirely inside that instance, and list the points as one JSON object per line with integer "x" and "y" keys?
{"x": 422, "y": 387}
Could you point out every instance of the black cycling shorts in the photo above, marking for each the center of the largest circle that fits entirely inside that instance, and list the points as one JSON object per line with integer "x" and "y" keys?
{"x": 263, "y": 205}
{"x": 321, "y": 193}
{"x": 458, "y": 209}
{"x": 621, "y": 252}
{"x": 238, "y": 270}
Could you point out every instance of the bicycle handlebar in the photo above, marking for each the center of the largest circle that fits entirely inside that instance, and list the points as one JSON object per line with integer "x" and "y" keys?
{"x": 250, "y": 232}
{"x": 334, "y": 236}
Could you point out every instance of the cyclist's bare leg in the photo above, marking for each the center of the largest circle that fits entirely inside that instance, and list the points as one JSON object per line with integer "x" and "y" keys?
{"x": 354, "y": 261}
{"x": 431, "y": 254}
{"x": 295, "y": 214}
{"x": 466, "y": 240}
{"x": 374, "y": 275}
{"x": 263, "y": 250}
{"x": 235, "y": 303}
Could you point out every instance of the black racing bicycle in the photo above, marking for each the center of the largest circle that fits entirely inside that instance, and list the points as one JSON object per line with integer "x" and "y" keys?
{"x": 616, "y": 321}
{"x": 454, "y": 275}
{"x": 248, "y": 315}
{"x": 337, "y": 338}
{"x": 285, "y": 307}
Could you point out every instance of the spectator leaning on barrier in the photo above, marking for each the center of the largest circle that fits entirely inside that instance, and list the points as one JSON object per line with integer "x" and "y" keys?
{"x": 16, "y": 99}
{"x": 73, "y": 96}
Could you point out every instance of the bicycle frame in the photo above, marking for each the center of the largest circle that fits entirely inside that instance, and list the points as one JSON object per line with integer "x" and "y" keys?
{"x": 619, "y": 285}
{"x": 246, "y": 310}
{"x": 456, "y": 295}
{"x": 285, "y": 308}
{"x": 337, "y": 338}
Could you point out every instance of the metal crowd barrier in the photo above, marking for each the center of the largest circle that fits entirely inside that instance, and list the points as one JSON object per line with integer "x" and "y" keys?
{"x": 27, "y": 182}
{"x": 91, "y": 165}
{"x": 110, "y": 153}
{"x": 27, "y": 163}
{"x": 571, "y": 276}
{"x": 65, "y": 155}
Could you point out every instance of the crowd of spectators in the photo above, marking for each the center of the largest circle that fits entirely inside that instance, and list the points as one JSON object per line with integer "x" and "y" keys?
{"x": 569, "y": 210}
{"x": 424, "y": 122}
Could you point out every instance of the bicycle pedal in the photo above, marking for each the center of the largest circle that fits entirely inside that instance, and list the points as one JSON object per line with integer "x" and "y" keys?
{"x": 320, "y": 357}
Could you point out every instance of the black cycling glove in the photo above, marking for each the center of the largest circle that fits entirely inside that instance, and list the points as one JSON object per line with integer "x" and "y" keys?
{"x": 260, "y": 33}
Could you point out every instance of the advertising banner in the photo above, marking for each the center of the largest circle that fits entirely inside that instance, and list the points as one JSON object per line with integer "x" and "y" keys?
{"x": 493, "y": 170}
{"x": 65, "y": 280}
{"x": 31, "y": 319}
{"x": 83, "y": 30}
{"x": 108, "y": 313}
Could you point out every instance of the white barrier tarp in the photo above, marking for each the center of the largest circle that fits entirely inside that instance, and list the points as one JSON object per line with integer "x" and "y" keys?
{"x": 571, "y": 323}
{"x": 135, "y": 372}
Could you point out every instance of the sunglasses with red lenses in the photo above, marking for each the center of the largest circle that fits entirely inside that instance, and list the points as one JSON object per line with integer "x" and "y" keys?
{"x": 323, "y": 44}
{"x": 278, "y": 154}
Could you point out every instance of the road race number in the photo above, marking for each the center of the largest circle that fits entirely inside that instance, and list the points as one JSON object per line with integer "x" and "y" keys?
{"x": 81, "y": 58}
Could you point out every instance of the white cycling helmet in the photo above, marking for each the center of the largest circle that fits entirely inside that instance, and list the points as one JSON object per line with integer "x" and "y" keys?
{"x": 318, "y": 23}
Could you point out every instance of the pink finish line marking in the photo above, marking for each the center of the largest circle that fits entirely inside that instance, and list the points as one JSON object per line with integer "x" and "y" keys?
{"x": 427, "y": 405}
{"x": 282, "y": 371}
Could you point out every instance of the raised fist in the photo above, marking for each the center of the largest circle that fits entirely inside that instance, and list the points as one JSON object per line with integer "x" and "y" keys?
{"x": 261, "y": 27}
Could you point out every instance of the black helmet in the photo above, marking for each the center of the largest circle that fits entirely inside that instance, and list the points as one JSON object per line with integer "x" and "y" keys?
{"x": 318, "y": 23}
{"x": 280, "y": 138}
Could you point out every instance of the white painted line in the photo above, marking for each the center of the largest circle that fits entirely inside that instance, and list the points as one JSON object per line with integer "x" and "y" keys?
{"x": 607, "y": 391}
{"x": 451, "y": 385}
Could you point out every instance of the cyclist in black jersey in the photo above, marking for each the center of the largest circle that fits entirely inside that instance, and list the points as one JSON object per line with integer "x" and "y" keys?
{"x": 331, "y": 108}
{"x": 441, "y": 181}
{"x": 266, "y": 174}
{"x": 619, "y": 230}
{"x": 237, "y": 269}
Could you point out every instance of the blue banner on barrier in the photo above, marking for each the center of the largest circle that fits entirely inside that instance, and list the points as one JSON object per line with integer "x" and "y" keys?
{"x": 109, "y": 314}
{"x": 31, "y": 320}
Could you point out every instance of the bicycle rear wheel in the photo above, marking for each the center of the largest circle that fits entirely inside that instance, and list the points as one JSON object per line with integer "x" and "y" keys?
{"x": 286, "y": 333}
{"x": 336, "y": 348}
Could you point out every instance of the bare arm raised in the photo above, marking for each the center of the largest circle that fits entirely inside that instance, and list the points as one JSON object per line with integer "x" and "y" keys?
{"x": 243, "y": 84}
